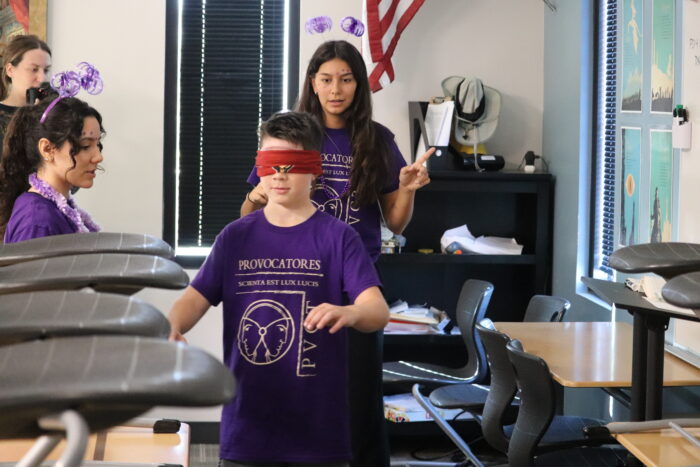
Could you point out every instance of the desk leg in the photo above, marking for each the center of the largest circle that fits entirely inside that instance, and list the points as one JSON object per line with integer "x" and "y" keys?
{"x": 655, "y": 366}
{"x": 639, "y": 368}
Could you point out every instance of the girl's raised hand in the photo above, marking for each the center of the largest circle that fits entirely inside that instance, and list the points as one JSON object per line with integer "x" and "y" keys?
{"x": 415, "y": 176}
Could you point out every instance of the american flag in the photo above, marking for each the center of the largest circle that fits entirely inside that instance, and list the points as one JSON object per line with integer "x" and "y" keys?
{"x": 385, "y": 20}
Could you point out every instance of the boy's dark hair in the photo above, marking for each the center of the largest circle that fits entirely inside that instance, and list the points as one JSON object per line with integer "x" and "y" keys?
{"x": 21, "y": 157}
{"x": 295, "y": 127}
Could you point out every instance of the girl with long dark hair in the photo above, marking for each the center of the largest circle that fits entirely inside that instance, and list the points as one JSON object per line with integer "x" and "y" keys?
{"x": 365, "y": 179}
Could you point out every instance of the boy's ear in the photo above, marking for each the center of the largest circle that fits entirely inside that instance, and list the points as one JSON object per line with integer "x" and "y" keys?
{"x": 47, "y": 149}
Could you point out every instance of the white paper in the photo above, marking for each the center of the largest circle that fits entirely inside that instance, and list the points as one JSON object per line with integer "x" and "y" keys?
{"x": 481, "y": 245}
{"x": 438, "y": 123}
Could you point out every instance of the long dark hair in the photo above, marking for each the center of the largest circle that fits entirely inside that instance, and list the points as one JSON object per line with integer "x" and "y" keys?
{"x": 371, "y": 155}
{"x": 14, "y": 53}
{"x": 20, "y": 150}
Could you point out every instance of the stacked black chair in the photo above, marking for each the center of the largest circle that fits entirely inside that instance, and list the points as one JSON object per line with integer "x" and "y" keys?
{"x": 72, "y": 362}
{"x": 68, "y": 313}
{"x": 83, "y": 243}
{"x": 79, "y": 385}
{"x": 472, "y": 304}
{"x": 104, "y": 261}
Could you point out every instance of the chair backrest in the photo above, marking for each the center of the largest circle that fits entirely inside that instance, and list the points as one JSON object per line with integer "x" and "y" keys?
{"x": 537, "y": 404}
{"x": 667, "y": 259}
{"x": 43, "y": 315}
{"x": 83, "y": 243}
{"x": 471, "y": 308}
{"x": 503, "y": 386}
{"x": 113, "y": 272}
{"x": 106, "y": 379}
{"x": 544, "y": 308}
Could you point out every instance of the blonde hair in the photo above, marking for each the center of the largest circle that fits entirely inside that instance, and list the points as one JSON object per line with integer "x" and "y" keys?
{"x": 13, "y": 53}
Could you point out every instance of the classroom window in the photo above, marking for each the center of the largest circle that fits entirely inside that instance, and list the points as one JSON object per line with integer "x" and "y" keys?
{"x": 229, "y": 66}
{"x": 635, "y": 176}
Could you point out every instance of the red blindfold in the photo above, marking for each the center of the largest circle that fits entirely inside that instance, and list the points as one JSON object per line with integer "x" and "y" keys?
{"x": 288, "y": 161}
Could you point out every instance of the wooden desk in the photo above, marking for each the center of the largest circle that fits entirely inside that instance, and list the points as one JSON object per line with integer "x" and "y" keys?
{"x": 120, "y": 444}
{"x": 597, "y": 354}
{"x": 665, "y": 448}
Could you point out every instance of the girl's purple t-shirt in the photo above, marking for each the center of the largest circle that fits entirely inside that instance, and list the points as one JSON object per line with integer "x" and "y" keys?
{"x": 34, "y": 216}
{"x": 337, "y": 161}
{"x": 291, "y": 403}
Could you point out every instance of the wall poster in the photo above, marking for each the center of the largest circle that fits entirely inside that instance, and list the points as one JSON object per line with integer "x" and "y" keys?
{"x": 629, "y": 206}
{"x": 661, "y": 186}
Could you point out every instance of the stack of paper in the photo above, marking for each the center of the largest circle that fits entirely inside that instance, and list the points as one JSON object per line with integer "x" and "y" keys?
{"x": 400, "y": 311}
{"x": 482, "y": 245}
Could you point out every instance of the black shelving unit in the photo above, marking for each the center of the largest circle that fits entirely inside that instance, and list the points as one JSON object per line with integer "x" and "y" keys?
{"x": 503, "y": 204}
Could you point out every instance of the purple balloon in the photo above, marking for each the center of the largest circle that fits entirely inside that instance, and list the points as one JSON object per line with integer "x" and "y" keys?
{"x": 318, "y": 24}
{"x": 352, "y": 26}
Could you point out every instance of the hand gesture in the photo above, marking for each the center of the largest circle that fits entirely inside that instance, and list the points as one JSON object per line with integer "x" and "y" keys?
{"x": 325, "y": 314}
{"x": 415, "y": 176}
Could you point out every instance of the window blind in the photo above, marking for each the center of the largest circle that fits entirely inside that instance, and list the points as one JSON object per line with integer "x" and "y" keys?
{"x": 606, "y": 130}
{"x": 231, "y": 77}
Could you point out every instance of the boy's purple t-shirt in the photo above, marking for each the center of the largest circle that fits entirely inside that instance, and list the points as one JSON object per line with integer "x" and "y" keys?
{"x": 291, "y": 403}
{"x": 34, "y": 216}
{"x": 337, "y": 161}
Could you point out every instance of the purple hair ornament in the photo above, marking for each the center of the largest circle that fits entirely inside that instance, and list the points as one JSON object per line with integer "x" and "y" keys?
{"x": 68, "y": 84}
{"x": 352, "y": 26}
{"x": 318, "y": 24}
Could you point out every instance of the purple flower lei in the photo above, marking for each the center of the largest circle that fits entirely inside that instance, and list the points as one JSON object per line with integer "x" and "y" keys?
{"x": 68, "y": 83}
{"x": 78, "y": 217}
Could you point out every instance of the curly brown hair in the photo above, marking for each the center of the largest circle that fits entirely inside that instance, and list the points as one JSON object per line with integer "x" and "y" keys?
{"x": 21, "y": 157}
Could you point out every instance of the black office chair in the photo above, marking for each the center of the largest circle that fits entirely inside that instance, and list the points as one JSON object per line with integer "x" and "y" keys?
{"x": 472, "y": 397}
{"x": 116, "y": 272}
{"x": 473, "y": 301}
{"x": 76, "y": 385}
{"x": 501, "y": 407}
{"x": 535, "y": 416}
{"x": 83, "y": 243}
{"x": 546, "y": 308}
{"x": 43, "y": 315}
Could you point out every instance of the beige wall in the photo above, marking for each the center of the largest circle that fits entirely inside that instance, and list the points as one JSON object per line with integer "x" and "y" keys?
{"x": 499, "y": 41}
